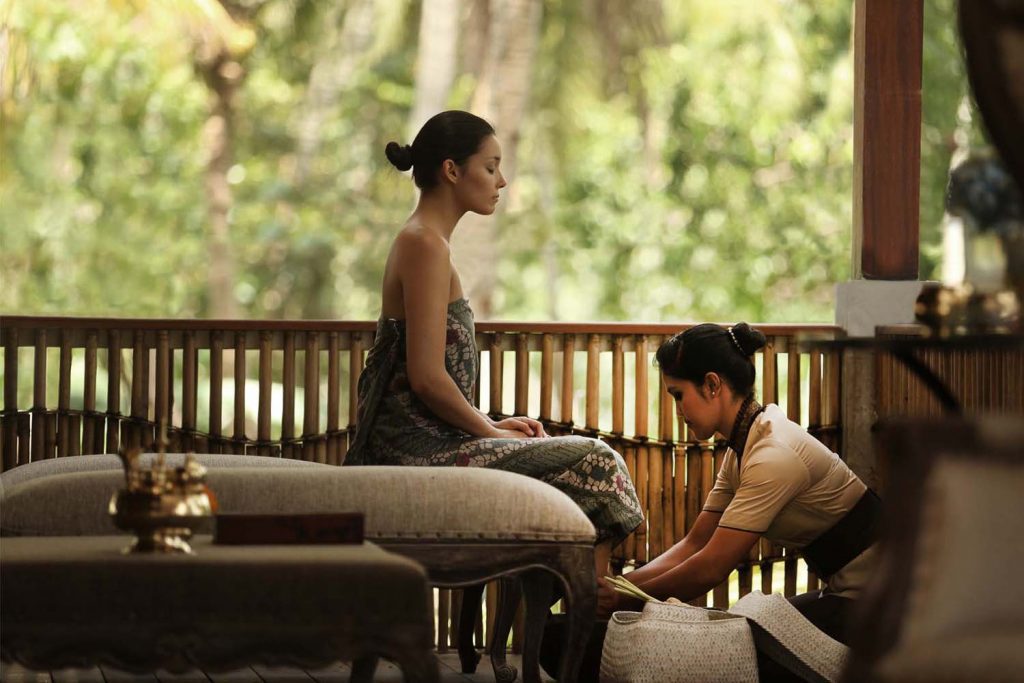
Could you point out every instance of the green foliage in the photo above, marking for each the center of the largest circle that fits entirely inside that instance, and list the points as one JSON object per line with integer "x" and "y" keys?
{"x": 706, "y": 174}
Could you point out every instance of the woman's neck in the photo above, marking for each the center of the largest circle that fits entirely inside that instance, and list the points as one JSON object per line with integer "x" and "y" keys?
{"x": 437, "y": 210}
{"x": 731, "y": 415}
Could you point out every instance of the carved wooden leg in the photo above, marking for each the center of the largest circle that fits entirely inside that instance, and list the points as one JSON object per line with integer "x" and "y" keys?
{"x": 577, "y": 573}
{"x": 468, "y": 613}
{"x": 509, "y": 593}
{"x": 363, "y": 669}
{"x": 537, "y": 585}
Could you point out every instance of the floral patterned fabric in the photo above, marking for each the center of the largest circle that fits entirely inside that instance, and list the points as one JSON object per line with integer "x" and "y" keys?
{"x": 396, "y": 428}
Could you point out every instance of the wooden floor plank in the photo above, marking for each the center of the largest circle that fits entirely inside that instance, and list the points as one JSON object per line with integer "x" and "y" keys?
{"x": 16, "y": 673}
{"x": 335, "y": 673}
{"x": 281, "y": 674}
{"x": 246, "y": 675}
{"x": 192, "y": 676}
{"x": 113, "y": 675}
{"x": 92, "y": 675}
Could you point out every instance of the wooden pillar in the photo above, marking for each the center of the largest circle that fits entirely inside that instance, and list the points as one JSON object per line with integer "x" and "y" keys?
{"x": 888, "y": 43}
{"x": 888, "y": 37}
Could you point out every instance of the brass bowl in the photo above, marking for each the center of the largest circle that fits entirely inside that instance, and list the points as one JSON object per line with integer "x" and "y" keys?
{"x": 162, "y": 523}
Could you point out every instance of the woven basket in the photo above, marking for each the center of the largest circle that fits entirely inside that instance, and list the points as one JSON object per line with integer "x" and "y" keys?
{"x": 677, "y": 644}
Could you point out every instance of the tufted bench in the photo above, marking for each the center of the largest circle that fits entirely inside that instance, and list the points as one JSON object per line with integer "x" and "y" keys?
{"x": 463, "y": 525}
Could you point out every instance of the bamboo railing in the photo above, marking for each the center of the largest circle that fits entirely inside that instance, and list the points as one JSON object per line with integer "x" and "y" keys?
{"x": 76, "y": 386}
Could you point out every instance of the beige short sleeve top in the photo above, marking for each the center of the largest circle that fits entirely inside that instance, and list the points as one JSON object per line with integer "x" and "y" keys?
{"x": 789, "y": 487}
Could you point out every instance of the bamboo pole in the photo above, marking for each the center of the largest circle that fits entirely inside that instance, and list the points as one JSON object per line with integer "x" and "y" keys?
{"x": 593, "y": 382}
{"x": 240, "y": 376}
{"x": 640, "y": 401}
{"x": 793, "y": 397}
{"x": 522, "y": 374}
{"x": 311, "y": 393}
{"x": 666, "y": 412}
{"x": 668, "y": 537}
{"x": 656, "y": 515}
{"x": 766, "y": 563}
{"x": 113, "y": 391}
{"x": 832, "y": 372}
{"x": 90, "y": 421}
{"x": 443, "y": 619}
{"x": 50, "y": 439}
{"x": 568, "y": 360}
{"x": 814, "y": 388}
{"x": 288, "y": 408}
{"x": 10, "y": 421}
{"x": 547, "y": 375}
{"x": 679, "y": 492}
{"x": 189, "y": 390}
{"x": 770, "y": 373}
{"x": 790, "y": 570}
{"x": 24, "y": 438}
{"x": 64, "y": 396}
{"x": 163, "y": 380}
{"x": 640, "y": 482}
{"x": 693, "y": 499}
{"x": 139, "y": 427}
{"x": 75, "y": 427}
{"x": 618, "y": 386}
{"x": 266, "y": 380}
{"x": 355, "y": 369}
{"x": 39, "y": 398}
{"x": 216, "y": 391}
{"x": 497, "y": 374}
{"x": 629, "y": 456}
{"x": 333, "y": 397}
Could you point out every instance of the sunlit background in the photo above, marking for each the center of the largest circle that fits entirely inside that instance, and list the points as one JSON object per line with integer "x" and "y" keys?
{"x": 669, "y": 159}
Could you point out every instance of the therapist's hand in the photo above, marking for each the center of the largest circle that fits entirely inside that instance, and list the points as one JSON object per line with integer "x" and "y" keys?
{"x": 607, "y": 599}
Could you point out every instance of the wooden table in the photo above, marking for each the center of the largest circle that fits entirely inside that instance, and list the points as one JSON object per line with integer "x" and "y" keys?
{"x": 80, "y": 602}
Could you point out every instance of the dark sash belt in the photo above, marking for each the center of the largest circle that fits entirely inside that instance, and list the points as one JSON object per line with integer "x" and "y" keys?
{"x": 849, "y": 537}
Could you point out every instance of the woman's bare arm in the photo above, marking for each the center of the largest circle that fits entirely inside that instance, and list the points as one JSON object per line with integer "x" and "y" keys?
{"x": 424, "y": 267}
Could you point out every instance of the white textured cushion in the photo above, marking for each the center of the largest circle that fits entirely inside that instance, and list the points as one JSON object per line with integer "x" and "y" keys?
{"x": 109, "y": 461}
{"x": 407, "y": 503}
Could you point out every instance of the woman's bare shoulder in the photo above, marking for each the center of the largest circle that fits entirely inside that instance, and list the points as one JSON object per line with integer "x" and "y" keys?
{"x": 421, "y": 240}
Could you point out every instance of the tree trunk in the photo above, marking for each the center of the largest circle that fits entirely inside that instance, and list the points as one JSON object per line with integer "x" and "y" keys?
{"x": 223, "y": 76}
{"x": 501, "y": 96}
{"x": 330, "y": 76}
{"x": 435, "y": 60}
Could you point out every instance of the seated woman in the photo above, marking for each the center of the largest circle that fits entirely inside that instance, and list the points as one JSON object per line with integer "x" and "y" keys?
{"x": 776, "y": 481}
{"x": 414, "y": 394}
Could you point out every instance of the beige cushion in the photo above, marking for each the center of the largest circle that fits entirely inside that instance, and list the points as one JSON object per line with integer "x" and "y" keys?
{"x": 400, "y": 503}
{"x": 109, "y": 461}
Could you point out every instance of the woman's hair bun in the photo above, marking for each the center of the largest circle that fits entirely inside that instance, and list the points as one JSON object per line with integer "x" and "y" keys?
{"x": 747, "y": 338}
{"x": 400, "y": 156}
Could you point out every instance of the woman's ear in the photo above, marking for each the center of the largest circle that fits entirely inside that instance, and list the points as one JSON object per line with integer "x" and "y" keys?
{"x": 450, "y": 170}
{"x": 714, "y": 383}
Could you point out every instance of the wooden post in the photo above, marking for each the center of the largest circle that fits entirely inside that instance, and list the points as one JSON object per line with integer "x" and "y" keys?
{"x": 547, "y": 375}
{"x": 189, "y": 390}
{"x": 888, "y": 40}
{"x": 288, "y": 409}
{"x": 113, "y": 391}
{"x": 10, "y": 417}
{"x": 265, "y": 379}
{"x": 333, "y": 397}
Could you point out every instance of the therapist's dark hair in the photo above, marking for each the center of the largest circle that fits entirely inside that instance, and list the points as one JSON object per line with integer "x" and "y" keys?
{"x": 705, "y": 348}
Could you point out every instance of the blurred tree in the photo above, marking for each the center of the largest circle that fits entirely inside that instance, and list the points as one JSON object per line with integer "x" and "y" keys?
{"x": 670, "y": 160}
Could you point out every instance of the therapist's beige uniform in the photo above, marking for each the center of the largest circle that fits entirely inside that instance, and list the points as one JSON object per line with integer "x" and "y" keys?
{"x": 790, "y": 488}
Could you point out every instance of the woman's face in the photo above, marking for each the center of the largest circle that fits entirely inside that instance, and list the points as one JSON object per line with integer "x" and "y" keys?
{"x": 696, "y": 409}
{"x": 480, "y": 178}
